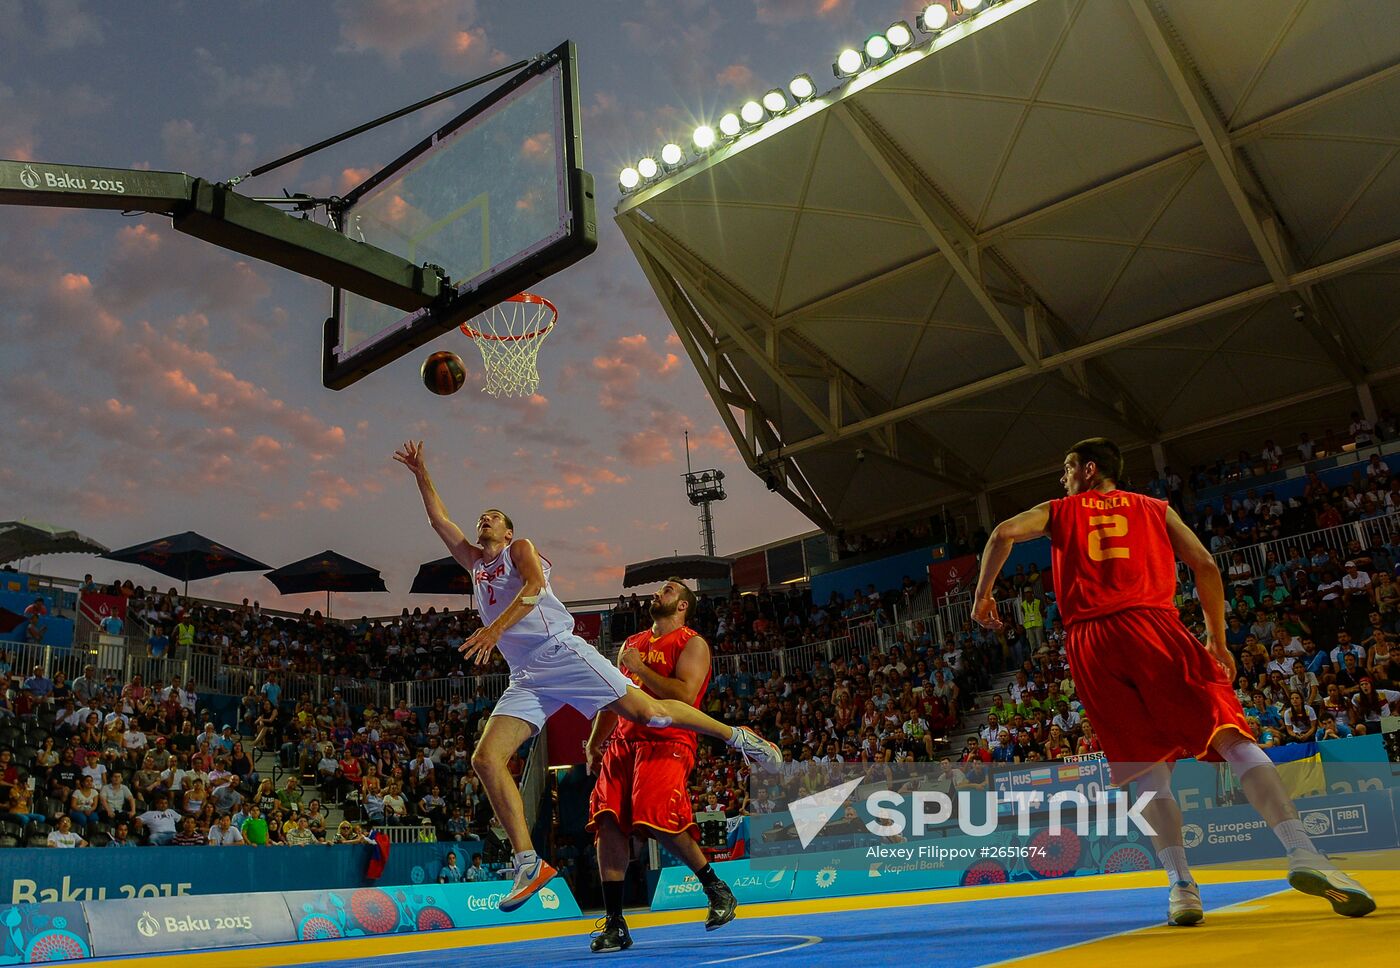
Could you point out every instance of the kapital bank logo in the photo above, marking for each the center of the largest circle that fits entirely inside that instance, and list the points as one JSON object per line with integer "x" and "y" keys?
{"x": 894, "y": 814}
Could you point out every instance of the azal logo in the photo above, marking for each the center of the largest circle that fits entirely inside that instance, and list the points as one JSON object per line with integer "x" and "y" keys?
{"x": 29, "y": 178}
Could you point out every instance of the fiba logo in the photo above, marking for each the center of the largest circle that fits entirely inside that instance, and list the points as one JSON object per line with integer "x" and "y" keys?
{"x": 1317, "y": 824}
{"x": 147, "y": 925}
{"x": 29, "y": 178}
{"x": 1192, "y": 835}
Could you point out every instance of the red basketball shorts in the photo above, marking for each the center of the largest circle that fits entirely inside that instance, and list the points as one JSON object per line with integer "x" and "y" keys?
{"x": 643, "y": 784}
{"x": 1151, "y": 690}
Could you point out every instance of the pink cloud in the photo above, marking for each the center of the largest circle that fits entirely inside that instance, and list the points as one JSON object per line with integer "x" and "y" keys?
{"x": 538, "y": 146}
{"x": 353, "y": 177}
{"x": 736, "y": 76}
{"x": 625, "y": 371}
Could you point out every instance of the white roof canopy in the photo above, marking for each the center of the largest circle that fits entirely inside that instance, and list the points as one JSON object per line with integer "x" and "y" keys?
{"x": 1171, "y": 222}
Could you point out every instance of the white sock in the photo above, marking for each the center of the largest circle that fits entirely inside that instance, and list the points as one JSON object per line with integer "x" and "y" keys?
{"x": 525, "y": 858}
{"x": 1294, "y": 837}
{"x": 1174, "y": 860}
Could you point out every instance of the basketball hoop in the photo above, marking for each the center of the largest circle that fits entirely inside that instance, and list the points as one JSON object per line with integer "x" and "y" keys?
{"x": 509, "y": 335}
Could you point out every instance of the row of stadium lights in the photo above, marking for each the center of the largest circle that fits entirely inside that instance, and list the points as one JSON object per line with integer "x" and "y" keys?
{"x": 878, "y": 48}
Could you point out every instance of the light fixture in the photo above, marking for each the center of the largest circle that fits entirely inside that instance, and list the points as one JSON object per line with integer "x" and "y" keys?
{"x": 704, "y": 137}
{"x": 848, "y": 62}
{"x": 877, "y": 48}
{"x": 629, "y": 179}
{"x": 934, "y": 18}
{"x": 969, "y": 5}
{"x": 729, "y": 125}
{"x": 671, "y": 155}
{"x": 775, "y": 101}
{"x": 801, "y": 88}
{"x": 647, "y": 168}
{"x": 751, "y": 113}
{"x": 899, "y": 35}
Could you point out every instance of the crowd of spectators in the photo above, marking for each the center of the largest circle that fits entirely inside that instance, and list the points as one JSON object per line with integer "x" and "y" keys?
{"x": 96, "y": 760}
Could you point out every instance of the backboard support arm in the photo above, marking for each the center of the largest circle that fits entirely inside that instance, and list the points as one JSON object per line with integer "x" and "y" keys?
{"x": 218, "y": 214}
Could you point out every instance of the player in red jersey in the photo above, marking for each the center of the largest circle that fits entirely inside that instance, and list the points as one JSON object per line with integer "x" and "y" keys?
{"x": 642, "y": 773}
{"x": 1153, "y": 693}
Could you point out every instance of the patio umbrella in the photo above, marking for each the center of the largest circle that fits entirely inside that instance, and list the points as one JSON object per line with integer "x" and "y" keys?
{"x": 24, "y": 539}
{"x": 187, "y": 556}
{"x": 677, "y": 566}
{"x": 327, "y": 572}
{"x": 445, "y": 576}
{"x": 9, "y": 621}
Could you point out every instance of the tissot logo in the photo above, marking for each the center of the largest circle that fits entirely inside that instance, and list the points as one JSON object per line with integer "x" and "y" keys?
{"x": 29, "y": 178}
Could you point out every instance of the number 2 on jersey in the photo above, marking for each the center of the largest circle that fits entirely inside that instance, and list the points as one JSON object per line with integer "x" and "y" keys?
{"x": 1107, "y": 526}
{"x": 490, "y": 595}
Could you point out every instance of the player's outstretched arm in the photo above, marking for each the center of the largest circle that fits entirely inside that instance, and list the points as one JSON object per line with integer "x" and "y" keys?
{"x": 411, "y": 456}
{"x": 603, "y": 725}
{"x": 1025, "y": 526}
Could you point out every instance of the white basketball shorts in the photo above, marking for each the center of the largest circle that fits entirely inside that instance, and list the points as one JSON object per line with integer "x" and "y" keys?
{"x": 566, "y": 671}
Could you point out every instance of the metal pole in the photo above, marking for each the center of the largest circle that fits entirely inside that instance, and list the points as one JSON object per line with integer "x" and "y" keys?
{"x": 391, "y": 116}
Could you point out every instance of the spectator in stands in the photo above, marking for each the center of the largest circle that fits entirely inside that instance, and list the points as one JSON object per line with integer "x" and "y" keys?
{"x": 297, "y": 833}
{"x": 63, "y": 835}
{"x": 1299, "y": 720}
{"x": 121, "y": 835}
{"x": 159, "y": 823}
{"x": 450, "y": 872}
{"x": 224, "y": 833}
{"x": 188, "y": 835}
{"x": 254, "y": 828}
{"x": 82, "y": 802}
{"x": 116, "y": 800}
{"x": 19, "y": 806}
{"x": 476, "y": 873}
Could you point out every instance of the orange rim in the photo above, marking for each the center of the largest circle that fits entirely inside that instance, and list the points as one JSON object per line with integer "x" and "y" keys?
{"x": 520, "y": 297}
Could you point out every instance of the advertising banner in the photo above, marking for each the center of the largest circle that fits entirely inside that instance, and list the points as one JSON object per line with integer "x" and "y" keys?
{"x": 36, "y": 933}
{"x": 678, "y": 888}
{"x": 148, "y": 925}
{"x": 947, "y": 577}
{"x": 38, "y": 874}
{"x": 318, "y": 915}
{"x": 97, "y": 607}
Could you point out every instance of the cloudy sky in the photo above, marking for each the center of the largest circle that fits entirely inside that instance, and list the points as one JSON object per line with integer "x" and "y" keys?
{"x": 153, "y": 383}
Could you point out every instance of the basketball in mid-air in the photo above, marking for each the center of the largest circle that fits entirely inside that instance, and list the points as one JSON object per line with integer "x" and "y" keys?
{"x": 443, "y": 373}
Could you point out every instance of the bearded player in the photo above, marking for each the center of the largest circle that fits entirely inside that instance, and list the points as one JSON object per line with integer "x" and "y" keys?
{"x": 550, "y": 667}
{"x": 1153, "y": 692}
{"x": 641, "y": 788}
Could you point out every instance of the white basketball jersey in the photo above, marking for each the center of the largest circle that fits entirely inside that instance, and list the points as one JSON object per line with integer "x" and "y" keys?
{"x": 497, "y": 583}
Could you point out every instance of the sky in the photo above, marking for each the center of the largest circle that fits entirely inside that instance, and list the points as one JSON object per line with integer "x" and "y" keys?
{"x": 152, "y": 383}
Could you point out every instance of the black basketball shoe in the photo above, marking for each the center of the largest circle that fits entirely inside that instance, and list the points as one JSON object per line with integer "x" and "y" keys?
{"x": 614, "y": 936}
{"x": 722, "y": 905}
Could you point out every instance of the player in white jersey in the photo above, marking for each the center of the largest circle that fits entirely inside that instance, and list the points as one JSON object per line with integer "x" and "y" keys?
{"x": 550, "y": 667}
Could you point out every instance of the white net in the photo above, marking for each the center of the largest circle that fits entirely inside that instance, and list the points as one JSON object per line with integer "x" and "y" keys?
{"x": 509, "y": 336}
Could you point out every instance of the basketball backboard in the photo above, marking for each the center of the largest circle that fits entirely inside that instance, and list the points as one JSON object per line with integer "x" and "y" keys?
{"x": 497, "y": 198}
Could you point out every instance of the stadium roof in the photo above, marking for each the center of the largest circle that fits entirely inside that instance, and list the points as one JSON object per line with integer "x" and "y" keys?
{"x": 1170, "y": 222}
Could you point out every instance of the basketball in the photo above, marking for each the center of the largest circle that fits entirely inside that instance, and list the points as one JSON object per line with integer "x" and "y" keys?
{"x": 443, "y": 373}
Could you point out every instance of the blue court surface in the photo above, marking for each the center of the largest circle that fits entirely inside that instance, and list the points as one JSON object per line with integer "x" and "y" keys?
{"x": 976, "y": 932}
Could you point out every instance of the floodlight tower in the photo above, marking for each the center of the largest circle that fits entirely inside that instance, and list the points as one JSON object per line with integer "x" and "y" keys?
{"x": 704, "y": 488}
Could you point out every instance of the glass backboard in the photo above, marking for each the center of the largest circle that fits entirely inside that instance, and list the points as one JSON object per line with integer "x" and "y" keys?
{"x": 497, "y": 198}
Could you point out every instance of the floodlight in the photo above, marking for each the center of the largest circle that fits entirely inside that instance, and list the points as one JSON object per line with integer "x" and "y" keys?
{"x": 899, "y": 35}
{"x": 877, "y": 48}
{"x": 775, "y": 101}
{"x": 801, "y": 88}
{"x": 934, "y": 18}
{"x": 751, "y": 113}
{"x": 848, "y": 62}
{"x": 629, "y": 179}
{"x": 671, "y": 155}
{"x": 729, "y": 125}
{"x": 969, "y": 5}
{"x": 647, "y": 168}
{"x": 704, "y": 137}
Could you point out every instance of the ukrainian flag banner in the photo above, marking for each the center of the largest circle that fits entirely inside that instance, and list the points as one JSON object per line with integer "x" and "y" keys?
{"x": 1300, "y": 766}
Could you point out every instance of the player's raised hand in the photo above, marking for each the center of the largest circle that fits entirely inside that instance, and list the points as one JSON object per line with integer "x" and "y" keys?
{"x": 410, "y": 455}
{"x": 479, "y": 646}
{"x": 984, "y": 613}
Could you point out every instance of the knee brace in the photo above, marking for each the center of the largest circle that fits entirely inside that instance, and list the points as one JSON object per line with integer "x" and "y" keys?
{"x": 1242, "y": 754}
{"x": 1158, "y": 782}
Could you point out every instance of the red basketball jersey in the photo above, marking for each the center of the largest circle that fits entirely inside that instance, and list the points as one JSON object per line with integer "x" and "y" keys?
{"x": 660, "y": 655}
{"x": 1110, "y": 552}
